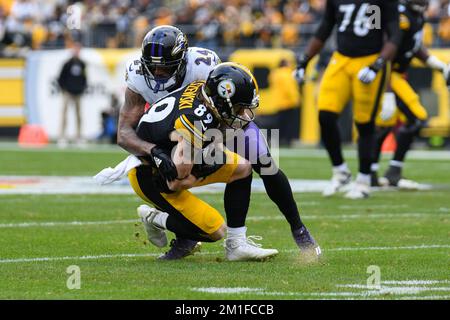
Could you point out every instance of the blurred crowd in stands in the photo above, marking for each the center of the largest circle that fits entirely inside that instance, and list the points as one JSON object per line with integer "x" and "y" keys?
{"x": 47, "y": 24}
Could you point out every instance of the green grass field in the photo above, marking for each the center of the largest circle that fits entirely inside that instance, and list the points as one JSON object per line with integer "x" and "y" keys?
{"x": 405, "y": 234}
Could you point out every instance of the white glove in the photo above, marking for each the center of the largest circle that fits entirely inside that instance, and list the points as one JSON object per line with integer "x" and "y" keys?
{"x": 446, "y": 73}
{"x": 299, "y": 75}
{"x": 389, "y": 106}
{"x": 367, "y": 75}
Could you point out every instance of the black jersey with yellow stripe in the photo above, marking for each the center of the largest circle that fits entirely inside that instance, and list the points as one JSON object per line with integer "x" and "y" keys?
{"x": 411, "y": 26}
{"x": 361, "y": 24}
{"x": 182, "y": 111}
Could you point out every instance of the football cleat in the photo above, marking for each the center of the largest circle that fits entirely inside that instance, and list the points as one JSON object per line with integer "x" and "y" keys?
{"x": 393, "y": 175}
{"x": 340, "y": 179}
{"x": 306, "y": 242}
{"x": 358, "y": 190}
{"x": 245, "y": 249}
{"x": 181, "y": 248}
{"x": 409, "y": 184}
{"x": 155, "y": 234}
{"x": 374, "y": 181}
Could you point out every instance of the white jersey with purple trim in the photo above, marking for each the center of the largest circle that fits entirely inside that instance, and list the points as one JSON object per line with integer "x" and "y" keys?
{"x": 200, "y": 62}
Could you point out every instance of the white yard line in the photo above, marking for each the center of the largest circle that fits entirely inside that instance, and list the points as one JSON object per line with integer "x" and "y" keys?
{"x": 435, "y": 246}
{"x": 291, "y": 153}
{"x": 398, "y": 288}
{"x": 414, "y": 282}
{"x": 250, "y": 218}
{"x": 425, "y": 297}
{"x": 63, "y": 224}
{"x": 395, "y": 290}
{"x": 263, "y": 292}
{"x": 134, "y": 255}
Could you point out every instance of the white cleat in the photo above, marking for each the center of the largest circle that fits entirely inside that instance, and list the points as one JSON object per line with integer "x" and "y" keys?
{"x": 245, "y": 249}
{"x": 338, "y": 181}
{"x": 155, "y": 234}
{"x": 358, "y": 191}
{"x": 408, "y": 184}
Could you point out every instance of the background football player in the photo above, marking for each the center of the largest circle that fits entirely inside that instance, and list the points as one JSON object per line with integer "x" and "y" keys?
{"x": 156, "y": 74}
{"x": 357, "y": 71}
{"x": 409, "y": 108}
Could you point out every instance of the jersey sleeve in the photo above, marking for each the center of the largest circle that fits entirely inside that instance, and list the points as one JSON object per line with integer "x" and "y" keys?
{"x": 201, "y": 61}
{"x": 193, "y": 129}
{"x": 131, "y": 74}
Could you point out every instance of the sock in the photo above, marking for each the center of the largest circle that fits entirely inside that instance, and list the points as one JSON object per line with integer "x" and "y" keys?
{"x": 237, "y": 201}
{"x": 380, "y": 135}
{"x": 405, "y": 136}
{"x": 342, "y": 167}
{"x": 331, "y": 137}
{"x": 280, "y": 192}
{"x": 374, "y": 167}
{"x": 404, "y": 141}
{"x": 365, "y": 146}
{"x": 395, "y": 163}
{"x": 233, "y": 233}
{"x": 161, "y": 219}
{"x": 363, "y": 178}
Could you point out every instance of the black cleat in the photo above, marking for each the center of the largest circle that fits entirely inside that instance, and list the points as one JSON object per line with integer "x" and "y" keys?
{"x": 393, "y": 175}
{"x": 374, "y": 179}
{"x": 180, "y": 248}
{"x": 305, "y": 241}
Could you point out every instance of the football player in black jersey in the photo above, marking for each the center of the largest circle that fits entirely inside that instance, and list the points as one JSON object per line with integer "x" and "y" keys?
{"x": 182, "y": 121}
{"x": 409, "y": 109}
{"x": 357, "y": 71}
{"x": 157, "y": 49}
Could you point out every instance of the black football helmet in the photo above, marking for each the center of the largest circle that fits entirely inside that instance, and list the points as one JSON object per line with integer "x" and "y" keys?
{"x": 164, "y": 58}
{"x": 230, "y": 90}
{"x": 419, "y": 6}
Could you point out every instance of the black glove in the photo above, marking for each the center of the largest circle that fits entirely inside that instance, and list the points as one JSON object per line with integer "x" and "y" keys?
{"x": 300, "y": 72}
{"x": 164, "y": 163}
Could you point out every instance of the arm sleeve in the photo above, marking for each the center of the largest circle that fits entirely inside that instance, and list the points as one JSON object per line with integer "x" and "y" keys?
{"x": 327, "y": 24}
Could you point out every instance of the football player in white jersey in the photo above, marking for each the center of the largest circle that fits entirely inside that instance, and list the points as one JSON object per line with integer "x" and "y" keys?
{"x": 166, "y": 64}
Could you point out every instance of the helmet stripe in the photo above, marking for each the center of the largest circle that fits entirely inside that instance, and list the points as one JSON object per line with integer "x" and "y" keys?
{"x": 247, "y": 71}
{"x": 153, "y": 50}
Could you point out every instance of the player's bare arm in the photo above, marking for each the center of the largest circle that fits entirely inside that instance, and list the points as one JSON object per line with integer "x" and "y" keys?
{"x": 316, "y": 44}
{"x": 130, "y": 113}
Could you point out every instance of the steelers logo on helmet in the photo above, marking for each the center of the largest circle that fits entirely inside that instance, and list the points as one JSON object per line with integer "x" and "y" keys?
{"x": 226, "y": 89}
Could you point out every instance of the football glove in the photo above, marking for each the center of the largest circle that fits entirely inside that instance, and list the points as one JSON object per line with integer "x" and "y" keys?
{"x": 300, "y": 72}
{"x": 164, "y": 163}
{"x": 368, "y": 74}
{"x": 446, "y": 73}
{"x": 388, "y": 107}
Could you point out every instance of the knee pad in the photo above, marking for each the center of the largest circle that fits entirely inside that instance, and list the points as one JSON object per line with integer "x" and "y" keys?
{"x": 327, "y": 118}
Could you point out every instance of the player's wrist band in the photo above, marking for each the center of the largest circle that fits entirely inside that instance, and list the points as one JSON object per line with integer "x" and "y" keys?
{"x": 378, "y": 64}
